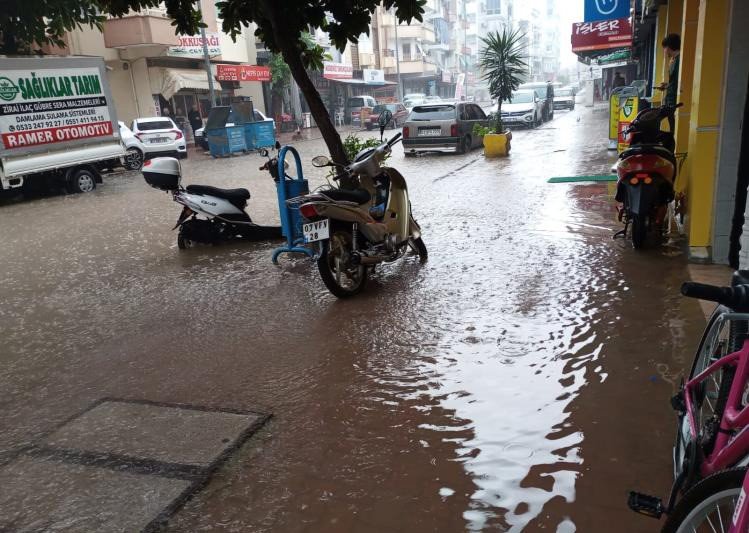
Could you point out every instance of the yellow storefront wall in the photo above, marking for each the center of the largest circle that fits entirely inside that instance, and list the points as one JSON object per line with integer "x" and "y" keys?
{"x": 661, "y": 69}
{"x": 686, "y": 75}
{"x": 704, "y": 124}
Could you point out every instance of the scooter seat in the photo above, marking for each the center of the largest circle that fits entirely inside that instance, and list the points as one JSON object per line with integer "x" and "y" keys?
{"x": 359, "y": 196}
{"x": 226, "y": 194}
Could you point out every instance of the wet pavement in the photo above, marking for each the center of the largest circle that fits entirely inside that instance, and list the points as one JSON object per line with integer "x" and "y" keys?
{"x": 519, "y": 380}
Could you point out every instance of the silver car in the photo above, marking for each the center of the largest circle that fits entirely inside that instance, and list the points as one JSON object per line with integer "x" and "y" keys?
{"x": 443, "y": 127}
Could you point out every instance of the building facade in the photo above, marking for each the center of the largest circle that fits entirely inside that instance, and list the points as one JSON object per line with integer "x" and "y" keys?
{"x": 152, "y": 71}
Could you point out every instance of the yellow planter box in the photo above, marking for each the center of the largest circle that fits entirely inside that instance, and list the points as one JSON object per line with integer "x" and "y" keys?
{"x": 497, "y": 144}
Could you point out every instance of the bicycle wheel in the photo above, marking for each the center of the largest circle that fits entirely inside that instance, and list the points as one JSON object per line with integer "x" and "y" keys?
{"x": 709, "y": 401}
{"x": 709, "y": 505}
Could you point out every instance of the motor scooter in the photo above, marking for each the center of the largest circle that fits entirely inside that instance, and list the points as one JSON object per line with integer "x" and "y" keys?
{"x": 210, "y": 215}
{"x": 645, "y": 174}
{"x": 354, "y": 230}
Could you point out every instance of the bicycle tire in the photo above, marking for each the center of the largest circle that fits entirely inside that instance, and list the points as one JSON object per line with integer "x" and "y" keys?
{"x": 719, "y": 487}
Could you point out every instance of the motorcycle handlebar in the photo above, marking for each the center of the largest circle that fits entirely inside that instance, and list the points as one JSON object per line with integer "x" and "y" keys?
{"x": 736, "y": 298}
{"x": 397, "y": 136}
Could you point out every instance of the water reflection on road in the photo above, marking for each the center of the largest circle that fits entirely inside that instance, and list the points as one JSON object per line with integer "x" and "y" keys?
{"x": 509, "y": 383}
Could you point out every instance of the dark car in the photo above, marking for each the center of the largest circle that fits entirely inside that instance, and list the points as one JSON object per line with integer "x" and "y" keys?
{"x": 399, "y": 111}
{"x": 443, "y": 127}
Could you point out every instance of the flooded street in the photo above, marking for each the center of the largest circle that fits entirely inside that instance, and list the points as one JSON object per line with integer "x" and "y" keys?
{"x": 519, "y": 380}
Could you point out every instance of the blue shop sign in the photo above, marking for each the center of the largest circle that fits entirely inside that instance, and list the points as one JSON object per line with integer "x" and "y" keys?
{"x": 606, "y": 9}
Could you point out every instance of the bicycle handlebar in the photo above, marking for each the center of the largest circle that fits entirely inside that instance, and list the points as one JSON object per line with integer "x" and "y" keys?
{"x": 736, "y": 298}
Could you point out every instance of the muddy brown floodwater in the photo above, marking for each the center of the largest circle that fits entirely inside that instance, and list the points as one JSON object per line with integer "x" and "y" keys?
{"x": 517, "y": 381}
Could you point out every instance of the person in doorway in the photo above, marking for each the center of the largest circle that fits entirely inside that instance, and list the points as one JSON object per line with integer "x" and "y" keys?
{"x": 196, "y": 121}
{"x": 618, "y": 81}
{"x": 671, "y": 46}
{"x": 165, "y": 112}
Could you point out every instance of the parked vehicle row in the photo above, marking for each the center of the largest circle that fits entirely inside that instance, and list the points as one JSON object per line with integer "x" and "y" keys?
{"x": 350, "y": 230}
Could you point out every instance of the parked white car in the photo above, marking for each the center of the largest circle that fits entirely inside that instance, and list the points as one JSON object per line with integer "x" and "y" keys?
{"x": 524, "y": 109}
{"x": 199, "y": 134}
{"x": 160, "y": 136}
{"x": 135, "y": 151}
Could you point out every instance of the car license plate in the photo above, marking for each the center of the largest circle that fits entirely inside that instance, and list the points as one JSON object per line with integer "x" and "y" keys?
{"x": 158, "y": 140}
{"x": 317, "y": 230}
{"x": 430, "y": 132}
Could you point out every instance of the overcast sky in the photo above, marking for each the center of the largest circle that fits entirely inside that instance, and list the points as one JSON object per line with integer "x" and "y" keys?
{"x": 569, "y": 11}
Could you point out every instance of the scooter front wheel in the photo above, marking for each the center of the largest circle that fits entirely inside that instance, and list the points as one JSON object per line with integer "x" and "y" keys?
{"x": 183, "y": 243}
{"x": 418, "y": 246}
{"x": 342, "y": 278}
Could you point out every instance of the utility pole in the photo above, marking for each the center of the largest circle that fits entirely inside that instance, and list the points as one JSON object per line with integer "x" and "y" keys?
{"x": 397, "y": 58}
{"x": 207, "y": 60}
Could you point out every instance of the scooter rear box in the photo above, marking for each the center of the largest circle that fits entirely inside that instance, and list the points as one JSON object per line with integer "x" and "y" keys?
{"x": 162, "y": 173}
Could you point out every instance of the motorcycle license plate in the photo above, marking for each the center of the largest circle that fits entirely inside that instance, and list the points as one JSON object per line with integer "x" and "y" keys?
{"x": 317, "y": 230}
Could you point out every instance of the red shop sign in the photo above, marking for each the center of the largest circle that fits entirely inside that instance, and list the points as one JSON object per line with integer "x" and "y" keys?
{"x": 601, "y": 35}
{"x": 242, "y": 73}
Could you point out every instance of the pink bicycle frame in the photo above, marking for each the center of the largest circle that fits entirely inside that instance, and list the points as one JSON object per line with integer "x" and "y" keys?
{"x": 740, "y": 520}
{"x": 728, "y": 449}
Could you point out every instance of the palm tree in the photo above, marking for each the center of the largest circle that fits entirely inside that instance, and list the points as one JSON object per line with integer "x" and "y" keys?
{"x": 503, "y": 62}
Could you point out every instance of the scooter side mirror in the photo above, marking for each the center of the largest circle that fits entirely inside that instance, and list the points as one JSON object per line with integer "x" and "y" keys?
{"x": 320, "y": 161}
{"x": 384, "y": 119}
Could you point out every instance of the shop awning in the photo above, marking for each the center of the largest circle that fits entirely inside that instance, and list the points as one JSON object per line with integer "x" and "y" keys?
{"x": 352, "y": 81}
{"x": 176, "y": 79}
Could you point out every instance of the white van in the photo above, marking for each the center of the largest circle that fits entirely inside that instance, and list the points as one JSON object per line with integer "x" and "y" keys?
{"x": 356, "y": 104}
{"x": 58, "y": 123}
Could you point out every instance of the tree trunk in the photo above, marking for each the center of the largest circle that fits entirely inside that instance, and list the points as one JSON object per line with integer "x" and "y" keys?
{"x": 316, "y": 105}
{"x": 289, "y": 46}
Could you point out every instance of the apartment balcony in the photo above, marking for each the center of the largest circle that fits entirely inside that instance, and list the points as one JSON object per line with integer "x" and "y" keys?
{"x": 151, "y": 27}
{"x": 417, "y": 30}
{"x": 414, "y": 66}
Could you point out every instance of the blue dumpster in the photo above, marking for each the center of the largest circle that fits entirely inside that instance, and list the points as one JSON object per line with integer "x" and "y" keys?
{"x": 225, "y": 136}
{"x": 259, "y": 134}
{"x": 225, "y": 141}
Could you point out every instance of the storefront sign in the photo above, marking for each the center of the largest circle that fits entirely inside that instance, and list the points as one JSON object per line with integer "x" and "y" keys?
{"x": 459, "y": 86}
{"x": 446, "y": 77}
{"x": 337, "y": 71}
{"x": 613, "y": 117}
{"x": 192, "y": 46}
{"x": 627, "y": 113}
{"x": 601, "y": 35}
{"x": 373, "y": 76}
{"x": 242, "y": 73}
{"x": 606, "y": 9}
{"x": 48, "y": 106}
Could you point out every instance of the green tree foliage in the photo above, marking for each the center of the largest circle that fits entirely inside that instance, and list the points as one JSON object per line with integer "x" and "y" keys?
{"x": 280, "y": 24}
{"x": 502, "y": 60}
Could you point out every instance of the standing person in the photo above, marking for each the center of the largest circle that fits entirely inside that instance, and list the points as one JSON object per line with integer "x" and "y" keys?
{"x": 671, "y": 45}
{"x": 196, "y": 121}
{"x": 619, "y": 80}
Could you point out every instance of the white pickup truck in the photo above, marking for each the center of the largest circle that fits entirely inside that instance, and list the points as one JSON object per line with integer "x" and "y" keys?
{"x": 57, "y": 122}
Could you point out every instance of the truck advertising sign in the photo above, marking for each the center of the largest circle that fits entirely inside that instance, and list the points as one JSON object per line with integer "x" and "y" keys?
{"x": 46, "y": 106}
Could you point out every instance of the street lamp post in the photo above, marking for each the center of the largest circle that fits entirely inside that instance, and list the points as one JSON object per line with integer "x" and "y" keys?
{"x": 207, "y": 60}
{"x": 397, "y": 58}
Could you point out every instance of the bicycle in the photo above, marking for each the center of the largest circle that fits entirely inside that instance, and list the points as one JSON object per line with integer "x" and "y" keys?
{"x": 713, "y": 408}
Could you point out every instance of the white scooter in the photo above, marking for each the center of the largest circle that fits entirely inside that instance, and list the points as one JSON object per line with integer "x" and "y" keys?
{"x": 222, "y": 210}
{"x": 354, "y": 230}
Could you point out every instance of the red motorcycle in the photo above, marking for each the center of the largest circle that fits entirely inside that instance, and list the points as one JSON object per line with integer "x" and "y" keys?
{"x": 646, "y": 173}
